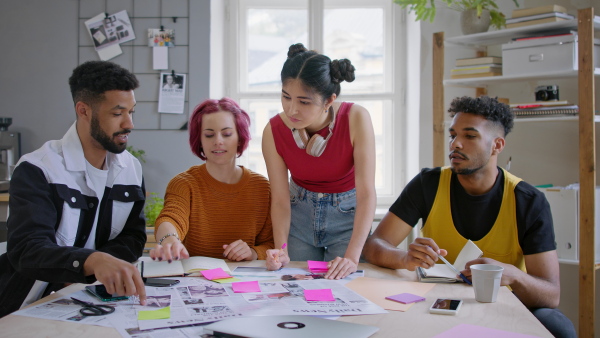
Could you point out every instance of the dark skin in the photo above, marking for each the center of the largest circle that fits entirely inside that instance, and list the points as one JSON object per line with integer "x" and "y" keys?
{"x": 474, "y": 146}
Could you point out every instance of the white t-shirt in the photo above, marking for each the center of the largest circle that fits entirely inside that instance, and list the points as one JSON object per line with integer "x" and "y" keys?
{"x": 97, "y": 178}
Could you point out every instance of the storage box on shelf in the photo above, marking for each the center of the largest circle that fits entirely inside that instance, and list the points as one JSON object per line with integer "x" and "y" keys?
{"x": 505, "y": 36}
{"x": 543, "y": 55}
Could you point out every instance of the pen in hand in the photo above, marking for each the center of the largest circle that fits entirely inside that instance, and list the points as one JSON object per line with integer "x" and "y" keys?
{"x": 464, "y": 278}
{"x": 276, "y": 257}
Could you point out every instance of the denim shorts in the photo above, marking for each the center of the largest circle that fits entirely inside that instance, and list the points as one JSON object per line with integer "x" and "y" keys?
{"x": 321, "y": 224}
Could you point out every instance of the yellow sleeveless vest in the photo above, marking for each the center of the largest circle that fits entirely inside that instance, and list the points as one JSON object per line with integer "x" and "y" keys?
{"x": 500, "y": 243}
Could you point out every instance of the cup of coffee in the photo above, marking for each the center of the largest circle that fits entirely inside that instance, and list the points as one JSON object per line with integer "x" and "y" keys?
{"x": 486, "y": 281}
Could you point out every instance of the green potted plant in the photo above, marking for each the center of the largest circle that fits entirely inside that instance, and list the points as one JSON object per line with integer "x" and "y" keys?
{"x": 140, "y": 154}
{"x": 153, "y": 207}
{"x": 481, "y": 13}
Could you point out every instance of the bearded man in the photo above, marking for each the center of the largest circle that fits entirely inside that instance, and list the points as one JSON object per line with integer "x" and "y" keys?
{"x": 76, "y": 204}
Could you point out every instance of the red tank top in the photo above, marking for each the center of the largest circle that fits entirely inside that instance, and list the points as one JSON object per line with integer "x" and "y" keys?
{"x": 333, "y": 171}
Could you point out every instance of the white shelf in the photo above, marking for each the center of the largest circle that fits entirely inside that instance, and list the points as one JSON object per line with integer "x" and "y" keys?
{"x": 505, "y": 35}
{"x": 572, "y": 262}
{"x": 483, "y": 82}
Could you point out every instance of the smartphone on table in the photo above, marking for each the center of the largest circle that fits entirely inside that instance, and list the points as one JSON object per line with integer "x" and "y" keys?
{"x": 160, "y": 282}
{"x": 445, "y": 306}
{"x": 99, "y": 291}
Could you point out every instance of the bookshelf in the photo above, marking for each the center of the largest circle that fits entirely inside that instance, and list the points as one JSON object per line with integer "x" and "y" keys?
{"x": 586, "y": 23}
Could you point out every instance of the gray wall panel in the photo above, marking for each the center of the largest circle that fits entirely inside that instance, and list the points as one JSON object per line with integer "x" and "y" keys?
{"x": 175, "y": 8}
{"x": 140, "y": 27}
{"x": 45, "y": 39}
{"x": 149, "y": 8}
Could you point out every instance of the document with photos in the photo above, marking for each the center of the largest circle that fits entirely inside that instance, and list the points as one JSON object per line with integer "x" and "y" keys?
{"x": 441, "y": 273}
{"x": 195, "y": 301}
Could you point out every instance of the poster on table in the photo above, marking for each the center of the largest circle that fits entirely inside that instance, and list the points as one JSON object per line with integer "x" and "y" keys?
{"x": 196, "y": 301}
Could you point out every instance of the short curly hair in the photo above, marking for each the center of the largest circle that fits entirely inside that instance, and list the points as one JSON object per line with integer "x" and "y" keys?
{"x": 209, "y": 106}
{"x": 490, "y": 108}
{"x": 92, "y": 79}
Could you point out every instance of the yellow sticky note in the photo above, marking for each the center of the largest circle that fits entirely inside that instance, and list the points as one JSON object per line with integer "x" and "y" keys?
{"x": 226, "y": 280}
{"x": 164, "y": 313}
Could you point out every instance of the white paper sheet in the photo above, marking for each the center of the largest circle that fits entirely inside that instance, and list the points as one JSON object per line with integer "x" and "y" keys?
{"x": 98, "y": 35}
{"x": 160, "y": 57}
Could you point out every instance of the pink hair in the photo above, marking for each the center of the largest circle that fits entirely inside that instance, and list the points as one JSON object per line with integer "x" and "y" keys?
{"x": 209, "y": 106}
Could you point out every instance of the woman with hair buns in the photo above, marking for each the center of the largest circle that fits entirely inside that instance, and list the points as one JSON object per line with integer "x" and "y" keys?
{"x": 325, "y": 211}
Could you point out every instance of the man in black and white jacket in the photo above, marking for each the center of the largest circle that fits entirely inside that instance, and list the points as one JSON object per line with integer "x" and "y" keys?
{"x": 76, "y": 204}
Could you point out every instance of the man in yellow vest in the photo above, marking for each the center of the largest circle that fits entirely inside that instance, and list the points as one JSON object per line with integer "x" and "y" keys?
{"x": 474, "y": 199}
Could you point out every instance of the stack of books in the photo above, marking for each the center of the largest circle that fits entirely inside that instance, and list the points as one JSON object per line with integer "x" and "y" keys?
{"x": 477, "y": 67}
{"x": 537, "y": 15}
{"x": 544, "y": 108}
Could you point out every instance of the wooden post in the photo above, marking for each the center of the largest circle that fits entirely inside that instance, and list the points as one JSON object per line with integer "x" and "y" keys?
{"x": 587, "y": 173}
{"x": 438, "y": 100}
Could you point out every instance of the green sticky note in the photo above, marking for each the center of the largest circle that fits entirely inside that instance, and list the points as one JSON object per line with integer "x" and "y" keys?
{"x": 226, "y": 280}
{"x": 164, "y": 313}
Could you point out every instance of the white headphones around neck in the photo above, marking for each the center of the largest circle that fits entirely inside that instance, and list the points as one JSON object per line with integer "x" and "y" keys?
{"x": 315, "y": 146}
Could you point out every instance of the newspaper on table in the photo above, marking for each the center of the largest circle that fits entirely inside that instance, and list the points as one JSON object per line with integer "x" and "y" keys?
{"x": 247, "y": 273}
{"x": 198, "y": 301}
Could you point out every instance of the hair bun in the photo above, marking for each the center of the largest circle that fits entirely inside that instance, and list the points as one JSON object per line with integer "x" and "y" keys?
{"x": 295, "y": 50}
{"x": 342, "y": 70}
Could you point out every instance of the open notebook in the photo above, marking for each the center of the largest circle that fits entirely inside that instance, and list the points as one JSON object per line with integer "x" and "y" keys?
{"x": 192, "y": 265}
{"x": 441, "y": 273}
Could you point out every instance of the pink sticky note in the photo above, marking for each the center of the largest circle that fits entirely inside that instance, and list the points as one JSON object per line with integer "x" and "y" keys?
{"x": 317, "y": 266}
{"x": 240, "y": 287}
{"x": 406, "y": 298}
{"x": 319, "y": 295}
{"x": 217, "y": 273}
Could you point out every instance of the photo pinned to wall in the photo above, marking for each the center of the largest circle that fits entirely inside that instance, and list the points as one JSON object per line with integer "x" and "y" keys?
{"x": 171, "y": 97}
{"x": 98, "y": 35}
{"x": 110, "y": 30}
{"x": 161, "y": 37}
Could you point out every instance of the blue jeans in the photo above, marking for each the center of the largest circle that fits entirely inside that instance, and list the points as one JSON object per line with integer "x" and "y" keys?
{"x": 556, "y": 322}
{"x": 321, "y": 224}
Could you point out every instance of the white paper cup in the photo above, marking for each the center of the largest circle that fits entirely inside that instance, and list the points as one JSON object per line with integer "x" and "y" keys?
{"x": 486, "y": 281}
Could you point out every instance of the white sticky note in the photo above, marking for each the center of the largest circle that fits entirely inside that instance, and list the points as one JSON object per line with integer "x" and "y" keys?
{"x": 160, "y": 57}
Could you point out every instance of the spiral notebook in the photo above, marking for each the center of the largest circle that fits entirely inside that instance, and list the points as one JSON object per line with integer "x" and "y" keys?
{"x": 545, "y": 111}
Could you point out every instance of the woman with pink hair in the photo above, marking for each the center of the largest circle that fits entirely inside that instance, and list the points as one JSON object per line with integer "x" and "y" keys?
{"x": 216, "y": 209}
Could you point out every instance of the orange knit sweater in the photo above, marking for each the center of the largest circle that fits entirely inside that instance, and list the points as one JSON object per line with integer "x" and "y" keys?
{"x": 208, "y": 213}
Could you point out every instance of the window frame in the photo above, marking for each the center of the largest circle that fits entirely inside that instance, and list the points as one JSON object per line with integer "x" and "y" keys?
{"x": 402, "y": 161}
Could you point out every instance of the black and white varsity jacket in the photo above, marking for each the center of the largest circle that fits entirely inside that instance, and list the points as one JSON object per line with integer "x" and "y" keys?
{"x": 52, "y": 208}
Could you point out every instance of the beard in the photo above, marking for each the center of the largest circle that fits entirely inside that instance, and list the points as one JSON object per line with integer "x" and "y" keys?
{"x": 478, "y": 163}
{"x": 106, "y": 141}
{"x": 465, "y": 171}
